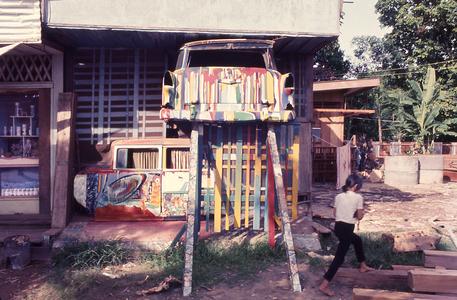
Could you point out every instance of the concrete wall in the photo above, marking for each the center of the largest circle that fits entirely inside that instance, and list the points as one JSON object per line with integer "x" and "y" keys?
{"x": 285, "y": 17}
{"x": 20, "y": 21}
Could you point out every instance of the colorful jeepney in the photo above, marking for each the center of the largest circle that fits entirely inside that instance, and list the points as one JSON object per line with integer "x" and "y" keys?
{"x": 145, "y": 179}
{"x": 232, "y": 80}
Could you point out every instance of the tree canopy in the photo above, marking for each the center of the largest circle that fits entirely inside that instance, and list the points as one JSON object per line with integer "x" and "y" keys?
{"x": 330, "y": 63}
{"x": 423, "y": 31}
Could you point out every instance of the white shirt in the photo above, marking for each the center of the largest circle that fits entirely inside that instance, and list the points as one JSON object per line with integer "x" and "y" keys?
{"x": 346, "y": 204}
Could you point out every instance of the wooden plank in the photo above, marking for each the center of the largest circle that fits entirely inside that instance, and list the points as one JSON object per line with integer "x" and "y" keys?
{"x": 248, "y": 180}
{"x": 435, "y": 258}
{"x": 208, "y": 177}
{"x": 44, "y": 144}
{"x": 369, "y": 294}
{"x": 218, "y": 183}
{"x": 238, "y": 176}
{"x": 305, "y": 170}
{"x": 405, "y": 267}
{"x": 286, "y": 229}
{"x": 320, "y": 228}
{"x": 25, "y": 219}
{"x": 266, "y": 203}
{"x": 433, "y": 280}
{"x": 101, "y": 95}
{"x": 270, "y": 213}
{"x": 295, "y": 166}
{"x": 194, "y": 191}
{"x": 376, "y": 279}
{"x": 345, "y": 111}
{"x": 257, "y": 180}
{"x": 136, "y": 93}
{"x": 228, "y": 186}
{"x": 198, "y": 180}
{"x": 62, "y": 175}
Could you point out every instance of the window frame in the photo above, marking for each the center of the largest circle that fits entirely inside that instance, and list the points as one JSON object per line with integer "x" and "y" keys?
{"x": 116, "y": 149}
{"x": 165, "y": 148}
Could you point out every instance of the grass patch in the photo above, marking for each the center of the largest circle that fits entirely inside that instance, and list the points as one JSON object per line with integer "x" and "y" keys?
{"x": 78, "y": 267}
{"x": 213, "y": 261}
{"x": 92, "y": 254}
{"x": 446, "y": 244}
{"x": 378, "y": 252}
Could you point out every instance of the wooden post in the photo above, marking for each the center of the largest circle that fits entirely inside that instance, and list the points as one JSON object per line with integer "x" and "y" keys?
{"x": 270, "y": 199}
{"x": 286, "y": 229}
{"x": 192, "y": 213}
{"x": 62, "y": 175}
{"x": 44, "y": 144}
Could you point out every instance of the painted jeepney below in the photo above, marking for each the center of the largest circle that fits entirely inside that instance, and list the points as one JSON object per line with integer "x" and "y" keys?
{"x": 145, "y": 180}
{"x": 225, "y": 81}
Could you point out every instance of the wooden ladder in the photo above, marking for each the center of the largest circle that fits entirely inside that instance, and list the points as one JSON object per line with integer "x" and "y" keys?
{"x": 285, "y": 220}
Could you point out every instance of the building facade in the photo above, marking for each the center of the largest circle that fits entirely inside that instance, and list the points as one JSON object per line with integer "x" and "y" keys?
{"x": 112, "y": 56}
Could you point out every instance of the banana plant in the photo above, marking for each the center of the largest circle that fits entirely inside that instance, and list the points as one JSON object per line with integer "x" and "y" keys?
{"x": 422, "y": 110}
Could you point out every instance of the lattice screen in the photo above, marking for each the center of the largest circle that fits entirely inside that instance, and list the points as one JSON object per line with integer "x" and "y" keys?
{"x": 119, "y": 94}
{"x": 32, "y": 68}
{"x": 296, "y": 66}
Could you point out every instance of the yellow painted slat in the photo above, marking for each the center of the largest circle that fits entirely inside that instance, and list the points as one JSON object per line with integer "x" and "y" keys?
{"x": 248, "y": 180}
{"x": 228, "y": 186}
{"x": 295, "y": 149}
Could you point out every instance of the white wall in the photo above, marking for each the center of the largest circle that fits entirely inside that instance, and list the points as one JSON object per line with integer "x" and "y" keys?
{"x": 285, "y": 17}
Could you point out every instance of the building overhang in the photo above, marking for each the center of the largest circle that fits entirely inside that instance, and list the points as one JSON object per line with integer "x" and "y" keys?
{"x": 347, "y": 87}
{"x": 300, "y": 27}
{"x": 238, "y": 17}
{"x": 83, "y": 38}
{"x": 344, "y": 112}
{"x": 27, "y": 49}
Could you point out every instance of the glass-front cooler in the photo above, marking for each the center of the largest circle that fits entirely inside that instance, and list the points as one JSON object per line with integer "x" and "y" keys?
{"x": 19, "y": 151}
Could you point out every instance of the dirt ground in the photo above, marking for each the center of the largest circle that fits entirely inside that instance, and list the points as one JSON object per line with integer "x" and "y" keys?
{"x": 36, "y": 282}
{"x": 388, "y": 209}
{"x": 404, "y": 208}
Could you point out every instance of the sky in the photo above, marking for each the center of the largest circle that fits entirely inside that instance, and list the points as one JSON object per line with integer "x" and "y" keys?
{"x": 360, "y": 18}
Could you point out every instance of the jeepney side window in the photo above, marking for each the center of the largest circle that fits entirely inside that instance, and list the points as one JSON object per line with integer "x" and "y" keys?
{"x": 177, "y": 158}
{"x": 121, "y": 158}
{"x": 138, "y": 158}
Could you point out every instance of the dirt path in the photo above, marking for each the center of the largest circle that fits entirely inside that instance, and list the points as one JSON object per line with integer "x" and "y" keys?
{"x": 272, "y": 283}
{"x": 400, "y": 209}
{"x": 388, "y": 209}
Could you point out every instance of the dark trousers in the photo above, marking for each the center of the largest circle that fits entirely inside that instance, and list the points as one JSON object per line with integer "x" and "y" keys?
{"x": 345, "y": 234}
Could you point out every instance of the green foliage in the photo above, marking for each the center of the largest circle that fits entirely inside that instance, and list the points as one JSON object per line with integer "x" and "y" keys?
{"x": 373, "y": 54}
{"x": 422, "y": 109}
{"x": 378, "y": 252}
{"x": 424, "y": 31}
{"x": 92, "y": 254}
{"x": 329, "y": 62}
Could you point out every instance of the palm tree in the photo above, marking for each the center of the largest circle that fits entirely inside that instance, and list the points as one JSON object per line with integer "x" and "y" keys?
{"x": 422, "y": 110}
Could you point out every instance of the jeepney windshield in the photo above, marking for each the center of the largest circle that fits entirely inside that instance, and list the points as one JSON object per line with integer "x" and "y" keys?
{"x": 226, "y": 58}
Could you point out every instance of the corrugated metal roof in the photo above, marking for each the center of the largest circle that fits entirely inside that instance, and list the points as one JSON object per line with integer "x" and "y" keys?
{"x": 20, "y": 21}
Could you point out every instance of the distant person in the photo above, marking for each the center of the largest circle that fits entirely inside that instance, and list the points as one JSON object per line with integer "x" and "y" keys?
{"x": 363, "y": 157}
{"x": 358, "y": 157}
{"x": 348, "y": 210}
